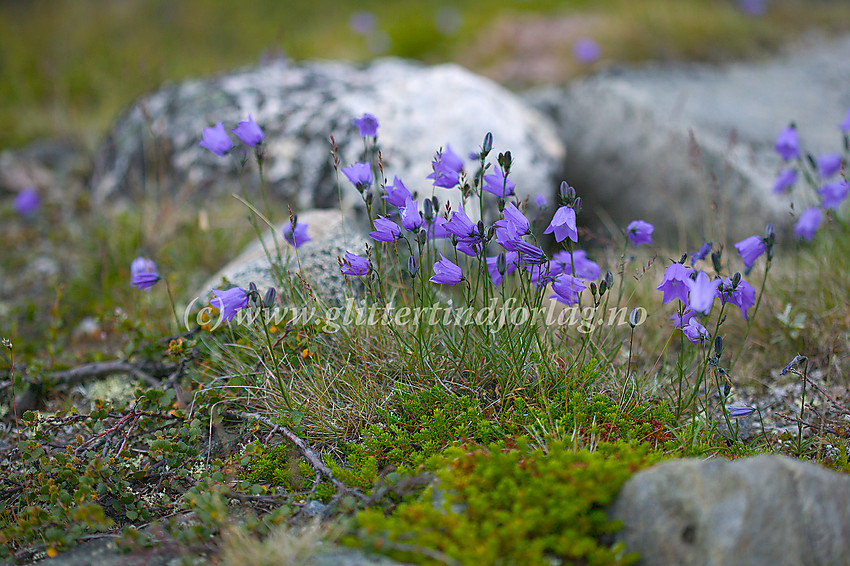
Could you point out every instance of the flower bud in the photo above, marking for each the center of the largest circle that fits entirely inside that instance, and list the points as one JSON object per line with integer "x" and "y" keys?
{"x": 718, "y": 345}
{"x": 715, "y": 261}
{"x": 429, "y": 211}
{"x": 423, "y": 235}
{"x": 269, "y": 299}
{"x": 593, "y": 289}
{"x": 603, "y": 287}
{"x": 481, "y": 227}
{"x": 634, "y": 317}
{"x": 736, "y": 279}
{"x": 567, "y": 192}
{"x": 609, "y": 279}
{"x": 412, "y": 266}
{"x": 577, "y": 204}
{"x": 487, "y": 146}
{"x": 502, "y": 263}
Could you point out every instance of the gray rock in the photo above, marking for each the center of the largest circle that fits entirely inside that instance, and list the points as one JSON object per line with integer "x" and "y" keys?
{"x": 668, "y": 144}
{"x": 765, "y": 510}
{"x": 316, "y": 260}
{"x": 420, "y": 109}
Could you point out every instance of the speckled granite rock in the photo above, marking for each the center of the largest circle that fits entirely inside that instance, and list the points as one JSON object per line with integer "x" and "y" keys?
{"x": 420, "y": 109}
{"x": 691, "y": 146}
{"x": 760, "y": 511}
{"x": 331, "y": 237}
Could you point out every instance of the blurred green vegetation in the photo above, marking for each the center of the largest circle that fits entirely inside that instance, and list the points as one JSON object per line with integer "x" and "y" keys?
{"x": 70, "y": 66}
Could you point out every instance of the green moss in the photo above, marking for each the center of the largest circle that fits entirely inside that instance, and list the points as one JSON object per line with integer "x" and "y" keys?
{"x": 511, "y": 505}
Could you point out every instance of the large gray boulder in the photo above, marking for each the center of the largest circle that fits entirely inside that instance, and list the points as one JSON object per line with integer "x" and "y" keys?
{"x": 761, "y": 511}
{"x": 154, "y": 145}
{"x": 691, "y": 146}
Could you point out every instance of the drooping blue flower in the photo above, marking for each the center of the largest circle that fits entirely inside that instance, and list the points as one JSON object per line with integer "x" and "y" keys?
{"x": 828, "y": 165}
{"x": 385, "y": 230}
{"x": 507, "y": 234}
{"x": 788, "y": 144}
{"x": 461, "y": 226}
{"x": 750, "y": 249}
{"x": 738, "y": 412}
{"x": 367, "y": 125}
{"x": 515, "y": 217}
{"x": 702, "y": 293}
{"x": 355, "y": 265}
{"x": 497, "y": 184}
{"x": 216, "y": 140}
{"x": 531, "y": 254}
{"x": 360, "y": 175}
{"x": 792, "y": 363}
{"x": 675, "y": 284}
{"x": 297, "y": 236}
{"x": 447, "y": 166}
{"x": 684, "y": 319}
{"x": 511, "y": 263}
{"x": 567, "y": 289}
{"x": 143, "y": 273}
{"x": 785, "y": 180}
{"x": 397, "y": 193}
{"x": 640, "y": 232}
{"x": 584, "y": 268}
{"x": 411, "y": 218}
{"x": 703, "y": 251}
{"x": 446, "y": 272}
{"x": 694, "y": 331}
{"x": 563, "y": 224}
{"x": 833, "y": 194}
{"x": 27, "y": 201}
{"x": 229, "y": 302}
{"x": 249, "y": 132}
{"x": 743, "y": 295}
{"x": 586, "y": 50}
{"x": 808, "y": 223}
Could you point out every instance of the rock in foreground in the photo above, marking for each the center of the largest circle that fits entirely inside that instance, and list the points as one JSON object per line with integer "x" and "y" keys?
{"x": 761, "y": 511}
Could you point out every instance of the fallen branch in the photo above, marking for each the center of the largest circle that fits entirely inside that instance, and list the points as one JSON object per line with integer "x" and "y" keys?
{"x": 99, "y": 370}
{"x": 302, "y": 446}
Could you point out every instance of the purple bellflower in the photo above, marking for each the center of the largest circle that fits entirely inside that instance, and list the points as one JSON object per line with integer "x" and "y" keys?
{"x": 675, "y": 284}
{"x": 702, "y": 293}
{"x": 788, "y": 144}
{"x": 694, "y": 331}
{"x": 750, "y": 249}
{"x": 738, "y": 412}
{"x": 27, "y": 202}
{"x": 584, "y": 268}
{"x": 531, "y": 254}
{"x": 385, "y": 230}
{"x": 563, "y": 224}
{"x": 684, "y": 319}
{"x": 828, "y": 165}
{"x": 249, "y": 132}
{"x": 703, "y": 251}
{"x": 785, "y": 180}
{"x": 515, "y": 217}
{"x": 640, "y": 232}
{"x": 360, "y": 175}
{"x": 397, "y": 193}
{"x": 446, "y": 272}
{"x": 497, "y": 184}
{"x": 447, "y": 167}
{"x": 216, "y": 140}
{"x": 742, "y": 296}
{"x": 355, "y": 265}
{"x": 833, "y": 194}
{"x": 229, "y": 302}
{"x": 411, "y": 218}
{"x": 567, "y": 288}
{"x": 143, "y": 273}
{"x": 808, "y": 223}
{"x": 367, "y": 125}
{"x": 297, "y": 236}
{"x": 461, "y": 226}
